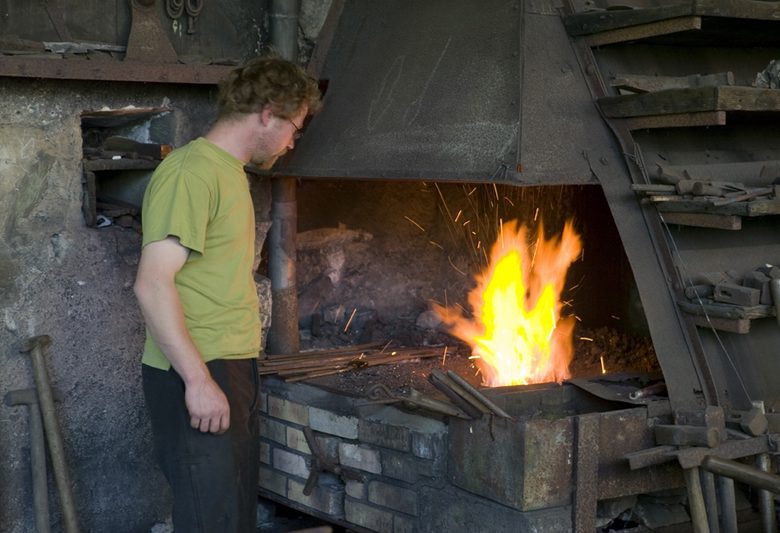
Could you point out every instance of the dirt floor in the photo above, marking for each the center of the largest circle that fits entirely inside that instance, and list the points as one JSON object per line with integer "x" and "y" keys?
{"x": 621, "y": 353}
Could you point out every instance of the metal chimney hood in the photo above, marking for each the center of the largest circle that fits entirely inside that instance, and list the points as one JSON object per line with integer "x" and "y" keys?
{"x": 447, "y": 90}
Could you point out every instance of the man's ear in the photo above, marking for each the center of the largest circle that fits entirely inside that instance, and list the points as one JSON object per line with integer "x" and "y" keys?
{"x": 266, "y": 115}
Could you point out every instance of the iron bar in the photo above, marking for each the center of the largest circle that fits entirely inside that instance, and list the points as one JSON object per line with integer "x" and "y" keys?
{"x": 728, "y": 505}
{"x": 742, "y": 473}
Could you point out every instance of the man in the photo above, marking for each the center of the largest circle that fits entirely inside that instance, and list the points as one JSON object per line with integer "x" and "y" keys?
{"x": 196, "y": 291}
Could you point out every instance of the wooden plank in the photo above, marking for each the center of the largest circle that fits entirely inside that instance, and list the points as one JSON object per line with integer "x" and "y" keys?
{"x": 745, "y": 9}
{"x": 598, "y": 21}
{"x": 699, "y": 205}
{"x": 731, "y": 312}
{"x": 591, "y": 22}
{"x": 644, "y": 31}
{"x": 678, "y": 120}
{"x": 643, "y": 84}
{"x": 741, "y": 326}
{"x": 704, "y": 220}
{"x": 124, "y": 71}
{"x": 691, "y": 100}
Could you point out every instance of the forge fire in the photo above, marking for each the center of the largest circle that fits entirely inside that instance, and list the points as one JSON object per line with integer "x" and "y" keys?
{"x": 516, "y": 331}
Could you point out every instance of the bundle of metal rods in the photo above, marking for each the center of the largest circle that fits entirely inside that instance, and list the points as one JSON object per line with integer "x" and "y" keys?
{"x": 309, "y": 365}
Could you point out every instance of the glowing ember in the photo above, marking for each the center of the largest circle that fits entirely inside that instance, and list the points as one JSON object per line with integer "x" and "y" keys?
{"x": 516, "y": 331}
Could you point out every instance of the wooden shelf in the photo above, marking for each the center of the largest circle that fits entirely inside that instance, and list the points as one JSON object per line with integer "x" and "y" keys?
{"x": 110, "y": 70}
{"x": 99, "y": 165}
{"x": 736, "y": 22}
{"x": 696, "y": 106}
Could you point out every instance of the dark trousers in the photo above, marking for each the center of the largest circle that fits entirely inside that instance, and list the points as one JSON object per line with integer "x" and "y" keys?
{"x": 213, "y": 477}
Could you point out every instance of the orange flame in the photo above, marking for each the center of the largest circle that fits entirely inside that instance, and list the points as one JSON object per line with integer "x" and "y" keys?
{"x": 516, "y": 332}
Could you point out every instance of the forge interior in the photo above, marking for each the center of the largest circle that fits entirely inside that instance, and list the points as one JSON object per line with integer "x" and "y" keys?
{"x": 374, "y": 255}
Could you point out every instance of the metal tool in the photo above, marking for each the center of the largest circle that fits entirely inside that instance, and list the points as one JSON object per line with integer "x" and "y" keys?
{"x": 35, "y": 347}
{"x": 321, "y": 463}
{"x": 29, "y": 398}
{"x": 148, "y": 42}
{"x": 380, "y": 393}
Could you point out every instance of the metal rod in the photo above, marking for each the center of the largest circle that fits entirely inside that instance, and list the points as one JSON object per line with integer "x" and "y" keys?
{"x": 696, "y": 501}
{"x": 766, "y": 501}
{"x": 478, "y": 395}
{"x": 742, "y": 473}
{"x": 710, "y": 499}
{"x": 728, "y": 504}
{"x": 34, "y": 347}
{"x": 441, "y": 382}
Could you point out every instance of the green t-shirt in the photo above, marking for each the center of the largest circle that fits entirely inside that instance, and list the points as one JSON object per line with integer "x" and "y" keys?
{"x": 200, "y": 194}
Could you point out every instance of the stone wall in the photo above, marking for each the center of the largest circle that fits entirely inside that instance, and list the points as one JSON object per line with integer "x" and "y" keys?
{"x": 403, "y": 459}
{"x": 74, "y": 283}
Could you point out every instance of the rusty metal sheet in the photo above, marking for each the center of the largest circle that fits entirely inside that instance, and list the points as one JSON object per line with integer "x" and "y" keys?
{"x": 622, "y": 432}
{"x": 525, "y": 464}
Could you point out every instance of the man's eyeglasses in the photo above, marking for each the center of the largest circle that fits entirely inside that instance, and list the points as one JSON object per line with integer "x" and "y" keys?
{"x": 298, "y": 131}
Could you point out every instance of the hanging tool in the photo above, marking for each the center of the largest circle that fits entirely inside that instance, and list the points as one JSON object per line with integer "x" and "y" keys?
{"x": 35, "y": 346}
{"x": 29, "y": 398}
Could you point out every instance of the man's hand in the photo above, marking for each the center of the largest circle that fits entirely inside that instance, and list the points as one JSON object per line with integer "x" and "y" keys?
{"x": 208, "y": 407}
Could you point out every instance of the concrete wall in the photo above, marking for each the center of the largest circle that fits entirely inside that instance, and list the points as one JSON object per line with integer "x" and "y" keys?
{"x": 73, "y": 283}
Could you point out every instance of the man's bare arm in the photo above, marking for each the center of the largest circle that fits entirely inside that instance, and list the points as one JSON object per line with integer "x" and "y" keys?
{"x": 160, "y": 304}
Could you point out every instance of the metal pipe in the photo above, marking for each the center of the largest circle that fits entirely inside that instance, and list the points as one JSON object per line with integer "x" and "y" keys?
{"x": 35, "y": 347}
{"x": 728, "y": 505}
{"x": 283, "y": 335}
{"x": 742, "y": 473}
{"x": 710, "y": 499}
{"x": 284, "y": 28}
{"x": 766, "y": 501}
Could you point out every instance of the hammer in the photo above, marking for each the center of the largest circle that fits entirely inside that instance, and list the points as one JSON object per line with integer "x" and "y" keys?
{"x": 35, "y": 347}
{"x": 37, "y": 456}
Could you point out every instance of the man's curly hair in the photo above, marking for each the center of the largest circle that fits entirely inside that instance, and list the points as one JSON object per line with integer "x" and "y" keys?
{"x": 268, "y": 81}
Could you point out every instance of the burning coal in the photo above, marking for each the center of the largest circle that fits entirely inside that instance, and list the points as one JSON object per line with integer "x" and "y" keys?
{"x": 516, "y": 331}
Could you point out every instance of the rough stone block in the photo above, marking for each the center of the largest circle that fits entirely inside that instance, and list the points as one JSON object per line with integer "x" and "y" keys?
{"x": 273, "y": 480}
{"x": 360, "y": 457}
{"x": 263, "y": 405}
{"x": 291, "y": 463}
{"x": 368, "y": 516}
{"x": 386, "y": 435}
{"x": 356, "y": 489}
{"x": 333, "y": 424}
{"x": 287, "y": 410}
{"x": 297, "y": 440}
{"x": 326, "y": 498}
{"x": 400, "y": 466}
{"x": 273, "y": 430}
{"x": 392, "y": 496}
{"x": 265, "y": 453}
{"x": 428, "y": 445}
{"x": 403, "y": 525}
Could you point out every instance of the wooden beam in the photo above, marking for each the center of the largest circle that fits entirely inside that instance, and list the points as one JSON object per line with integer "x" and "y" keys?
{"x": 678, "y": 120}
{"x": 109, "y": 70}
{"x": 591, "y": 22}
{"x": 693, "y": 100}
{"x": 638, "y": 83}
{"x": 704, "y": 220}
{"x": 644, "y": 31}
